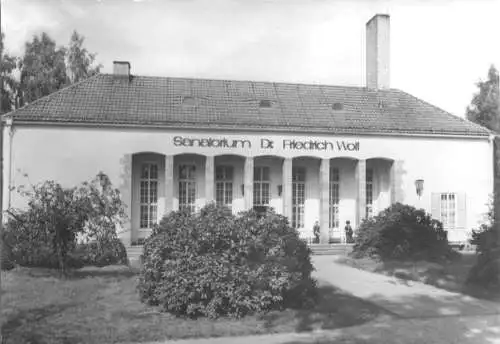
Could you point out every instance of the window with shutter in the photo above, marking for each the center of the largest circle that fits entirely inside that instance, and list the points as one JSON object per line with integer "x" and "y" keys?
{"x": 461, "y": 211}
{"x": 451, "y": 209}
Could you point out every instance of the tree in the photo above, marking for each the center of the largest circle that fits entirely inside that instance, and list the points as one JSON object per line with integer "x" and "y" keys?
{"x": 45, "y": 233}
{"x": 43, "y": 69}
{"x": 484, "y": 108}
{"x": 9, "y": 84}
{"x": 54, "y": 216}
{"x": 80, "y": 63}
{"x": 104, "y": 209}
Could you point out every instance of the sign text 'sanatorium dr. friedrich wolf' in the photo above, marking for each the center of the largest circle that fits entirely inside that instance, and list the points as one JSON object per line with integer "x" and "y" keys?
{"x": 265, "y": 143}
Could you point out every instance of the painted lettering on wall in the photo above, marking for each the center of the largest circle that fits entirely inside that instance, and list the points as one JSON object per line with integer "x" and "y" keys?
{"x": 211, "y": 143}
{"x": 266, "y": 143}
{"x": 341, "y": 146}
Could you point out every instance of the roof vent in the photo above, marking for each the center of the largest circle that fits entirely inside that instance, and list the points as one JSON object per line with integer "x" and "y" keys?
{"x": 189, "y": 101}
{"x": 337, "y": 106}
{"x": 265, "y": 103}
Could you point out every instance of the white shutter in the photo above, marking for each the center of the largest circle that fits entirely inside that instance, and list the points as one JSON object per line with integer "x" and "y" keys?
{"x": 461, "y": 211}
{"x": 436, "y": 205}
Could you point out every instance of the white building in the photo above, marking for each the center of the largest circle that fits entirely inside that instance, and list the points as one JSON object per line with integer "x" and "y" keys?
{"x": 312, "y": 152}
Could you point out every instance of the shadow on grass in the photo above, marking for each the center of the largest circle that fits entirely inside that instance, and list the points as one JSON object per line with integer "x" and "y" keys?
{"x": 117, "y": 271}
{"x": 419, "y": 319}
{"x": 450, "y": 276}
{"x": 114, "y": 271}
{"x": 32, "y": 316}
{"x": 335, "y": 309}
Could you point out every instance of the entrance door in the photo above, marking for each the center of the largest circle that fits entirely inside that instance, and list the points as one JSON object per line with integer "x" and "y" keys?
{"x": 298, "y": 196}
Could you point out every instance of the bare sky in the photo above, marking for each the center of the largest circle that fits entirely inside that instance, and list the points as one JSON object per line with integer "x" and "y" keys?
{"x": 439, "y": 49}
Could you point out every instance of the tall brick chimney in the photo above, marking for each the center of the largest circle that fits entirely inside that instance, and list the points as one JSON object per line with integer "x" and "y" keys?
{"x": 121, "y": 69}
{"x": 378, "y": 52}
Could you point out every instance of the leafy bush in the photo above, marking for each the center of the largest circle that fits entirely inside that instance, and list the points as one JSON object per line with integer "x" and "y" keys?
{"x": 44, "y": 235}
{"x": 486, "y": 271}
{"x": 7, "y": 259}
{"x": 93, "y": 253}
{"x": 402, "y": 232}
{"x": 215, "y": 264}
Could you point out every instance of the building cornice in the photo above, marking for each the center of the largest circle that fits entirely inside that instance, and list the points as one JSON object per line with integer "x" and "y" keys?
{"x": 184, "y": 126}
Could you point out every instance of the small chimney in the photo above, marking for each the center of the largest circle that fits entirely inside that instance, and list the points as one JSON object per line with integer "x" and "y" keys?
{"x": 121, "y": 69}
{"x": 378, "y": 52}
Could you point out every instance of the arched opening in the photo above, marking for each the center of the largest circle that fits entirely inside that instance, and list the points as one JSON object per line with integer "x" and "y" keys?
{"x": 305, "y": 195}
{"x": 268, "y": 183}
{"x": 148, "y": 193}
{"x": 378, "y": 185}
{"x": 189, "y": 179}
{"x": 342, "y": 197}
{"x": 229, "y": 181}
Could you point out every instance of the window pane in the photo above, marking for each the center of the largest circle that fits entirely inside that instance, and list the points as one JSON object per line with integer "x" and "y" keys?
{"x": 257, "y": 173}
{"x": 265, "y": 173}
{"x": 256, "y": 194}
{"x": 219, "y": 172}
{"x": 265, "y": 193}
{"x": 182, "y": 172}
{"x": 369, "y": 175}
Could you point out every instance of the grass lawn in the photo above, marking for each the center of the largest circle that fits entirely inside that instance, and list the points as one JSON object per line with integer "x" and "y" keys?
{"x": 101, "y": 305}
{"x": 450, "y": 276}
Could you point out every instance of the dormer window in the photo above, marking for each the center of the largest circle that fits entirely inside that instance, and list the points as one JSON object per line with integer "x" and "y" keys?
{"x": 337, "y": 106}
{"x": 189, "y": 101}
{"x": 265, "y": 103}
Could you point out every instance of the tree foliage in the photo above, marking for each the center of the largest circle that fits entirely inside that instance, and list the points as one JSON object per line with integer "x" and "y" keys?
{"x": 402, "y": 232}
{"x": 486, "y": 270}
{"x": 105, "y": 211}
{"x": 45, "y": 233}
{"x": 54, "y": 216}
{"x": 484, "y": 108}
{"x": 9, "y": 84}
{"x": 80, "y": 62}
{"x": 43, "y": 68}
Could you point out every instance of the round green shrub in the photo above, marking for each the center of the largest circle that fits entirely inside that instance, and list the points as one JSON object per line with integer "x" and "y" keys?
{"x": 215, "y": 264}
{"x": 402, "y": 232}
{"x": 486, "y": 271}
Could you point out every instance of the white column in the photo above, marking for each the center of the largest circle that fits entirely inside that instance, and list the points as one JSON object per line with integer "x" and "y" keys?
{"x": 395, "y": 181}
{"x": 128, "y": 233}
{"x": 248, "y": 183}
{"x": 324, "y": 193}
{"x": 287, "y": 188}
{"x": 209, "y": 179}
{"x": 169, "y": 183}
{"x": 7, "y": 150}
{"x": 361, "y": 190}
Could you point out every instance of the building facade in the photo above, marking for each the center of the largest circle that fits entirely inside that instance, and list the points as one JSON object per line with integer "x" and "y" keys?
{"x": 321, "y": 153}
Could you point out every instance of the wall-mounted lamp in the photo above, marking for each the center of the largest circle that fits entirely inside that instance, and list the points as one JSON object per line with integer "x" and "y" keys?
{"x": 280, "y": 189}
{"x": 419, "y": 186}
{"x": 242, "y": 189}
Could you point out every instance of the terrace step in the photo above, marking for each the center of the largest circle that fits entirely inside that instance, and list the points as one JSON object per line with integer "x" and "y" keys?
{"x": 134, "y": 252}
{"x": 331, "y": 249}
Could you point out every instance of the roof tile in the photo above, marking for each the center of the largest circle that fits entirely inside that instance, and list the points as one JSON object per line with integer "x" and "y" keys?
{"x": 159, "y": 101}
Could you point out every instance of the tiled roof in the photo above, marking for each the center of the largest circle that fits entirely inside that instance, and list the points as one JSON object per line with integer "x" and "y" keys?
{"x": 180, "y": 102}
